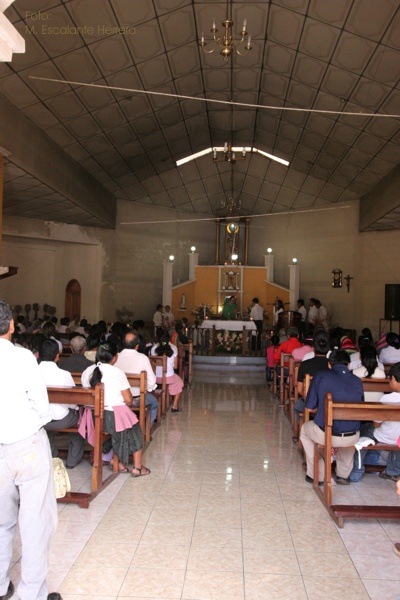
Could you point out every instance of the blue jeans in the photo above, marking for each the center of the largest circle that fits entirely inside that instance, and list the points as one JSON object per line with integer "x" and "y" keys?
{"x": 151, "y": 401}
{"x": 373, "y": 457}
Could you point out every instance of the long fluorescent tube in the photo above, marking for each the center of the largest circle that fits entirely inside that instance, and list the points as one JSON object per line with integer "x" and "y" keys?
{"x": 182, "y": 161}
{"x": 272, "y": 157}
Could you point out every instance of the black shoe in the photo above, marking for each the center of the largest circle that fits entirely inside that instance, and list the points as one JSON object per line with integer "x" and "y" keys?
{"x": 9, "y": 593}
{"x": 176, "y": 409}
{"x": 311, "y": 480}
{"x": 342, "y": 480}
{"x": 54, "y": 596}
{"x": 384, "y": 475}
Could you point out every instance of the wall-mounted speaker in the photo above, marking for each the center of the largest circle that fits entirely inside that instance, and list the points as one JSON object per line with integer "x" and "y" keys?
{"x": 392, "y": 301}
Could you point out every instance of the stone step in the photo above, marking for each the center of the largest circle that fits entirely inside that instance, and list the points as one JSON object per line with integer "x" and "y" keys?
{"x": 242, "y": 363}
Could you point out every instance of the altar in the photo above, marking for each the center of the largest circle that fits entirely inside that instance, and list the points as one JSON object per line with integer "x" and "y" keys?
{"x": 226, "y": 337}
{"x": 229, "y": 325}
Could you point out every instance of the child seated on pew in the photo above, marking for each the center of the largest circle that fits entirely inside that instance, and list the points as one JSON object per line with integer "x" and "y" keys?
{"x": 119, "y": 421}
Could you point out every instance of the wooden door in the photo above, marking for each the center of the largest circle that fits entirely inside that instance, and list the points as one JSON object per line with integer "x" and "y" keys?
{"x": 72, "y": 299}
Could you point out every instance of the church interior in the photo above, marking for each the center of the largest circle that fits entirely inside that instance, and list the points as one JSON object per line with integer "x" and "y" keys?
{"x": 132, "y": 136}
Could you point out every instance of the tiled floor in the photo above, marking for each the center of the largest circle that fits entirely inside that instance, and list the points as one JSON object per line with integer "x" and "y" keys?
{"x": 224, "y": 515}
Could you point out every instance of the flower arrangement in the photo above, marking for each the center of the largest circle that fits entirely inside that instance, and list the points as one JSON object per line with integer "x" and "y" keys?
{"x": 203, "y": 311}
{"x": 229, "y": 341}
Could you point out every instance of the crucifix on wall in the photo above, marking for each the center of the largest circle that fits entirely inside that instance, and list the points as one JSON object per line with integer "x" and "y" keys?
{"x": 348, "y": 278}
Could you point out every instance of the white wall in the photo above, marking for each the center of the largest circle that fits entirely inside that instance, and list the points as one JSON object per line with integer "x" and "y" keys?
{"x": 124, "y": 267}
{"x": 329, "y": 239}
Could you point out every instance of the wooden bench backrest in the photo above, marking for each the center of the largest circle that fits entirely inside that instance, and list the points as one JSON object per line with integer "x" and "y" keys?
{"x": 139, "y": 380}
{"x": 161, "y": 394}
{"x": 307, "y": 382}
{"x": 376, "y": 385}
{"x": 79, "y": 395}
{"x": 182, "y": 349}
{"x": 91, "y": 397}
{"x": 364, "y": 411}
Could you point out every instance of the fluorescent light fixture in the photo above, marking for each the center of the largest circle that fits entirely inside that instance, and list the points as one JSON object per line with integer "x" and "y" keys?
{"x": 238, "y": 149}
{"x": 182, "y": 161}
{"x": 272, "y": 157}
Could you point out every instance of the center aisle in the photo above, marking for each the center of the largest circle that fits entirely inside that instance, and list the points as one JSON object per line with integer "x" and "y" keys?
{"x": 224, "y": 515}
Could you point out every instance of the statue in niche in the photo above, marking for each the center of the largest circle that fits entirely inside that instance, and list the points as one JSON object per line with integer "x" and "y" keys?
{"x": 183, "y": 302}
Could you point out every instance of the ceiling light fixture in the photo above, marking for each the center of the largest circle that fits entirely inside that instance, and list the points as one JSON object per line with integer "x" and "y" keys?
{"x": 234, "y": 149}
{"x": 231, "y": 206}
{"x": 229, "y": 153}
{"x": 227, "y": 43}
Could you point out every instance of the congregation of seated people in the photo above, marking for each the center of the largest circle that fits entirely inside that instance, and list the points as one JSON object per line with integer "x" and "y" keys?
{"x": 336, "y": 364}
{"x": 103, "y": 353}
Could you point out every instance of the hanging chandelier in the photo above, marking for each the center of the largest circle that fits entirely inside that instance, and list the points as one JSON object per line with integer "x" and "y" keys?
{"x": 230, "y": 205}
{"x": 228, "y": 153}
{"x": 227, "y": 44}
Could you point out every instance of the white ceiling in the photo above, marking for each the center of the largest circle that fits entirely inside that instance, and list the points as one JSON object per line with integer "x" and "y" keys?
{"x": 338, "y": 55}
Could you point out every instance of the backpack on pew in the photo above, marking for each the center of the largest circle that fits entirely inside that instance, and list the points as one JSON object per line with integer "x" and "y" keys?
{"x": 62, "y": 484}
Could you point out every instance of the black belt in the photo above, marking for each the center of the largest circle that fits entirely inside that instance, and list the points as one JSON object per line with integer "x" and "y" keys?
{"x": 347, "y": 434}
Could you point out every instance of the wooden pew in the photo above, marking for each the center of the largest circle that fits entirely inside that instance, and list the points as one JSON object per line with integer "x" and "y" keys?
{"x": 182, "y": 349}
{"x": 366, "y": 411}
{"x": 93, "y": 398}
{"x": 161, "y": 392}
{"x": 293, "y": 395}
{"x": 376, "y": 385}
{"x": 140, "y": 380}
{"x": 283, "y": 384}
{"x": 142, "y": 411}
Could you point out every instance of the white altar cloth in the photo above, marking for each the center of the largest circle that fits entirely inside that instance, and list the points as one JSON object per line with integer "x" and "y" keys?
{"x": 228, "y": 325}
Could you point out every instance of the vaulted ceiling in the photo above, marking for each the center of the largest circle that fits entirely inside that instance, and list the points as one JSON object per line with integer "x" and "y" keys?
{"x": 318, "y": 55}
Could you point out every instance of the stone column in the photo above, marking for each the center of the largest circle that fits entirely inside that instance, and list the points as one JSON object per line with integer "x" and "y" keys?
{"x": 294, "y": 285}
{"x": 193, "y": 262}
{"x": 168, "y": 268}
{"x": 269, "y": 261}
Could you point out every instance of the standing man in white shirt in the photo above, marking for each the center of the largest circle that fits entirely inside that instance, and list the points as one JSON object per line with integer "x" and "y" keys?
{"x": 26, "y": 469}
{"x": 302, "y": 310}
{"x": 257, "y": 315}
{"x": 313, "y": 315}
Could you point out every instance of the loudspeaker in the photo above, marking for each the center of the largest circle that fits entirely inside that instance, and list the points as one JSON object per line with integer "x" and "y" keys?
{"x": 392, "y": 301}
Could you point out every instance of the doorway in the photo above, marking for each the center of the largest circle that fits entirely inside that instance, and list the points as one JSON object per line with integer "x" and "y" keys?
{"x": 72, "y": 299}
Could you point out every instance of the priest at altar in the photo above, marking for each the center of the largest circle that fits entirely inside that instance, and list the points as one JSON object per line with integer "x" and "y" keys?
{"x": 229, "y": 310}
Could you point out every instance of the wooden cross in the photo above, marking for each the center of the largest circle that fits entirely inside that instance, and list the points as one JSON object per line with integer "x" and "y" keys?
{"x": 348, "y": 279}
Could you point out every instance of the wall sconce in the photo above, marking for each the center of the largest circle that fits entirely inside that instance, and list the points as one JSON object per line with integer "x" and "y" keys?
{"x": 193, "y": 248}
{"x": 294, "y": 261}
{"x": 269, "y": 250}
{"x": 337, "y": 278}
{"x": 171, "y": 258}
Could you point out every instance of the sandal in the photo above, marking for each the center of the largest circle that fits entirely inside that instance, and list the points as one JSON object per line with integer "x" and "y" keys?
{"x": 176, "y": 409}
{"x": 122, "y": 468}
{"x": 141, "y": 472}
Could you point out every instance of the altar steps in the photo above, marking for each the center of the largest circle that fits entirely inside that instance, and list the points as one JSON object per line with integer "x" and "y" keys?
{"x": 229, "y": 363}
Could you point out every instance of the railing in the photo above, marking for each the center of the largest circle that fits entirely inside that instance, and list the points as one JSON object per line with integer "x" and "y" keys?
{"x": 225, "y": 342}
